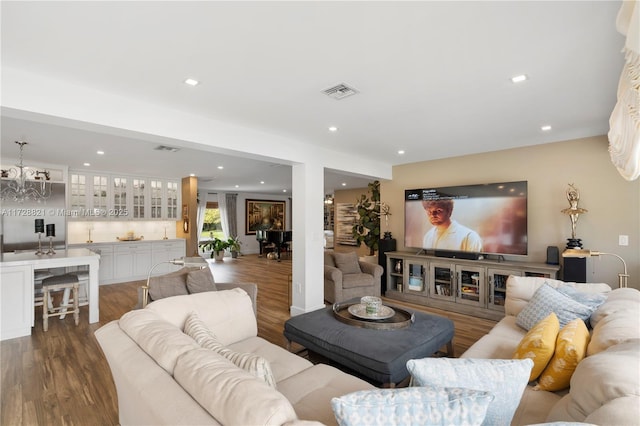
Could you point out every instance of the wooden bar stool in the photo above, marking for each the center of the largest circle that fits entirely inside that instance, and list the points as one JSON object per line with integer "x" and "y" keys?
{"x": 83, "y": 292}
{"x": 57, "y": 283}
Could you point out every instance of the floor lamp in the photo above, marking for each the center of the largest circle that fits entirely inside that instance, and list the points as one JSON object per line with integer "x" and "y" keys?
{"x": 622, "y": 278}
{"x": 188, "y": 262}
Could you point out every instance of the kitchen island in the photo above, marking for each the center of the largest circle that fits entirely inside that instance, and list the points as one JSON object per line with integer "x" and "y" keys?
{"x": 17, "y": 286}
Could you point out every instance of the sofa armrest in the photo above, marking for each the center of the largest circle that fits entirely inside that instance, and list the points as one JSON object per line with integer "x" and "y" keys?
{"x": 250, "y": 288}
{"x": 371, "y": 269}
{"x": 334, "y": 274}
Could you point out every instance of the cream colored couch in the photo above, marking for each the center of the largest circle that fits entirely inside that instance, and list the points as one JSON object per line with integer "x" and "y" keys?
{"x": 152, "y": 362}
{"x": 605, "y": 388}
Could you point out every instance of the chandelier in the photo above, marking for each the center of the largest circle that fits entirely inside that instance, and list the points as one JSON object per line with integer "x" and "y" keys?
{"x": 23, "y": 184}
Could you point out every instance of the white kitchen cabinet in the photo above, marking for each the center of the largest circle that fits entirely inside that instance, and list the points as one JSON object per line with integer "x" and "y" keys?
{"x": 16, "y": 301}
{"x": 165, "y": 251}
{"x": 105, "y": 250}
{"x": 132, "y": 260}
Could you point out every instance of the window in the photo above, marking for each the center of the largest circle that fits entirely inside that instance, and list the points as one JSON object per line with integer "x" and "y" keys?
{"x": 212, "y": 226}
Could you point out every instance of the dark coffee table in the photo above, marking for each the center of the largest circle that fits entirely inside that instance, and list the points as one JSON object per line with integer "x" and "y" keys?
{"x": 380, "y": 355}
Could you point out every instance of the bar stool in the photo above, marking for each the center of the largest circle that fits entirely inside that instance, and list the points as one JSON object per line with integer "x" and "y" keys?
{"x": 83, "y": 292}
{"x": 38, "y": 276}
{"x": 57, "y": 283}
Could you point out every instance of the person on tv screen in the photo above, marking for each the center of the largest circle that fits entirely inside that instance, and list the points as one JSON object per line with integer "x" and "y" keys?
{"x": 447, "y": 234}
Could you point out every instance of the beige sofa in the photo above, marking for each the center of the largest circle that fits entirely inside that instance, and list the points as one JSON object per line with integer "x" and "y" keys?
{"x": 163, "y": 376}
{"x": 605, "y": 387}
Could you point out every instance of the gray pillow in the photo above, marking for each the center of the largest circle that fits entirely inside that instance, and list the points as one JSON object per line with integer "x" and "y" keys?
{"x": 167, "y": 286}
{"x": 348, "y": 262}
{"x": 200, "y": 280}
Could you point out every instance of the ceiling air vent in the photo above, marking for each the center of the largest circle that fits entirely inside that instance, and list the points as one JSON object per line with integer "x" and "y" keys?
{"x": 166, "y": 148}
{"x": 340, "y": 91}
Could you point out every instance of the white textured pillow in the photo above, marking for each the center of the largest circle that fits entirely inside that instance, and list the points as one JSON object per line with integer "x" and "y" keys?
{"x": 254, "y": 364}
{"x": 505, "y": 379}
{"x": 425, "y": 405}
{"x": 546, "y": 300}
{"x": 230, "y": 394}
{"x": 162, "y": 341}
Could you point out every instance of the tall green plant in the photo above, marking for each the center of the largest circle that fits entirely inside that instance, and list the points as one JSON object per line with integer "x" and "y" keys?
{"x": 367, "y": 227}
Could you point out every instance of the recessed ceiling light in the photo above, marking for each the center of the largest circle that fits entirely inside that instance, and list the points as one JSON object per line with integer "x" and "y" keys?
{"x": 191, "y": 82}
{"x": 100, "y": 152}
{"x": 333, "y": 129}
{"x": 545, "y": 128}
{"x": 220, "y": 167}
{"x": 237, "y": 186}
{"x": 344, "y": 183}
{"x": 284, "y": 190}
{"x": 192, "y": 174}
{"x": 87, "y": 164}
{"x": 401, "y": 152}
{"x": 261, "y": 182}
{"x": 519, "y": 78}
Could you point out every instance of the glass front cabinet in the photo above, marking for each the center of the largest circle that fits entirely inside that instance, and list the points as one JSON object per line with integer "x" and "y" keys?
{"x": 473, "y": 287}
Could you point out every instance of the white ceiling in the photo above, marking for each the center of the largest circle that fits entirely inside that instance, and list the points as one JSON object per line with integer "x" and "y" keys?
{"x": 434, "y": 78}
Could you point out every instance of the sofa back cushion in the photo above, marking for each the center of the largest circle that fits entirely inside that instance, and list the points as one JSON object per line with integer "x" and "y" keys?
{"x": 171, "y": 284}
{"x": 231, "y": 395}
{"x": 227, "y": 313}
{"x": 162, "y": 341}
{"x": 615, "y": 321}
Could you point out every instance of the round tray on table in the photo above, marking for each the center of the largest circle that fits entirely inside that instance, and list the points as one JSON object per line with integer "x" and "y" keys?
{"x": 399, "y": 319}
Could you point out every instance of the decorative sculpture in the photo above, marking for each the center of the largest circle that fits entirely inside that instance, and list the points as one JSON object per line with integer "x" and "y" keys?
{"x": 574, "y": 212}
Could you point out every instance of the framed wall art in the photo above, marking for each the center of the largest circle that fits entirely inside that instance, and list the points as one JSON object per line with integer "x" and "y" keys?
{"x": 264, "y": 215}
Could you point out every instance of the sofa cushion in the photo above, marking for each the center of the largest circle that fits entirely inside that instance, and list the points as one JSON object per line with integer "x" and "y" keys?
{"x": 429, "y": 405}
{"x": 600, "y": 379}
{"x": 546, "y": 300}
{"x": 228, "y": 313}
{"x": 616, "y": 320}
{"x": 162, "y": 341}
{"x": 347, "y": 262}
{"x": 571, "y": 348}
{"x": 520, "y": 290}
{"x": 357, "y": 280}
{"x": 254, "y": 364}
{"x": 311, "y": 390}
{"x": 328, "y": 259}
{"x": 200, "y": 280}
{"x": 231, "y": 395}
{"x": 505, "y": 379}
{"x": 538, "y": 344}
{"x": 592, "y": 300}
{"x": 168, "y": 285}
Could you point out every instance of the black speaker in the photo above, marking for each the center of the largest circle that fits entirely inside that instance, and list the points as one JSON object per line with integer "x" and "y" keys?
{"x": 575, "y": 270}
{"x": 553, "y": 255}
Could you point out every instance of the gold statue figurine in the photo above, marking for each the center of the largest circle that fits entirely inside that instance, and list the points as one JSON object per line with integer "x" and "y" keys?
{"x": 573, "y": 196}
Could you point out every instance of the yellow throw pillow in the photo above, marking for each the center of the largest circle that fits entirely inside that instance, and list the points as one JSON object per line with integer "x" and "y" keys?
{"x": 538, "y": 344}
{"x": 571, "y": 348}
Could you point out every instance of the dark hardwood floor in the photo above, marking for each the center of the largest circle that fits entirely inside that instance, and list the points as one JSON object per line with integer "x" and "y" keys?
{"x": 61, "y": 377}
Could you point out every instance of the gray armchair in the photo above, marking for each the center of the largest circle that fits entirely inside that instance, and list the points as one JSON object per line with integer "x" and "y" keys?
{"x": 345, "y": 277}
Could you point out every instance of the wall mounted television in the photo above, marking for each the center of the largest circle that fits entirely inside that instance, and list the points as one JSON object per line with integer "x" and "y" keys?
{"x": 485, "y": 219}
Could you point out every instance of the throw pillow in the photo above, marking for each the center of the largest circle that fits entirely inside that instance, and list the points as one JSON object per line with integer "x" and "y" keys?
{"x": 200, "y": 280}
{"x": 592, "y": 300}
{"x": 254, "y": 364}
{"x": 347, "y": 262}
{"x": 428, "y": 405}
{"x": 546, "y": 300}
{"x": 168, "y": 285}
{"x": 571, "y": 348}
{"x": 538, "y": 344}
{"x": 505, "y": 379}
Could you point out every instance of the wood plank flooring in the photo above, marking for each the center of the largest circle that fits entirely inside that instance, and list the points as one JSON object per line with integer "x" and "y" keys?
{"x": 61, "y": 377}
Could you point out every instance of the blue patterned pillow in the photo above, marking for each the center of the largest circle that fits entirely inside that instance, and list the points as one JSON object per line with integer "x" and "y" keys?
{"x": 546, "y": 300}
{"x": 506, "y": 379}
{"x": 412, "y": 406}
{"x": 592, "y": 300}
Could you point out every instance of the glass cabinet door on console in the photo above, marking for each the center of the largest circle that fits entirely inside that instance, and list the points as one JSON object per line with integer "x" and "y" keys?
{"x": 442, "y": 282}
{"x": 498, "y": 287}
{"x": 415, "y": 276}
{"x": 470, "y": 285}
{"x": 395, "y": 276}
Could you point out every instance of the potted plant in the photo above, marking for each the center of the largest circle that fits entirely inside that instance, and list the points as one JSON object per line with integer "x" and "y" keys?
{"x": 217, "y": 247}
{"x": 234, "y": 246}
{"x": 367, "y": 227}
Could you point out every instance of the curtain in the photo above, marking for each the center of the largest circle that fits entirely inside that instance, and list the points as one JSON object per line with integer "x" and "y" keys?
{"x": 624, "y": 123}
{"x": 202, "y": 206}
{"x": 231, "y": 201}
{"x": 224, "y": 220}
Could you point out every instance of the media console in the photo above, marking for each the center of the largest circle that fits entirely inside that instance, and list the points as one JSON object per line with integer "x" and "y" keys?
{"x": 467, "y": 286}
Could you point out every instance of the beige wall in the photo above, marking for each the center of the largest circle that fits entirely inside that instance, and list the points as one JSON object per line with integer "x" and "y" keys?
{"x": 612, "y": 202}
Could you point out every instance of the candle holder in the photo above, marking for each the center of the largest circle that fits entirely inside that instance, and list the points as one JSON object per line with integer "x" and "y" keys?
{"x": 39, "y": 251}
{"x": 51, "y": 250}
{"x": 89, "y": 228}
{"x": 165, "y": 232}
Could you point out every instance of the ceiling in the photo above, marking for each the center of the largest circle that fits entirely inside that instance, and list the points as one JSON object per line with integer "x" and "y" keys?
{"x": 433, "y": 79}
